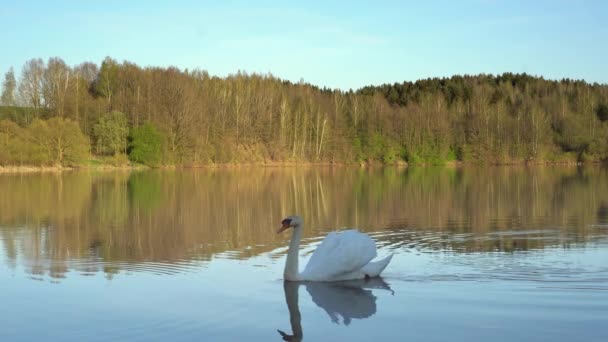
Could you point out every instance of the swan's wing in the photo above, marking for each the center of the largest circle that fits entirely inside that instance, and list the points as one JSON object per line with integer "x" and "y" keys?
{"x": 340, "y": 253}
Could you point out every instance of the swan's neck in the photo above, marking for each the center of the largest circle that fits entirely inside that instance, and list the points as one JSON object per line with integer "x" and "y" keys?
{"x": 291, "y": 265}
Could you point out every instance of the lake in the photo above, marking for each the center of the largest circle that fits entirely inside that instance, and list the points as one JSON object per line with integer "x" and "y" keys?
{"x": 491, "y": 254}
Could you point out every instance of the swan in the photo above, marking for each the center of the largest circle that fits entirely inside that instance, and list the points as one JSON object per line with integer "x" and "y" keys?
{"x": 345, "y": 255}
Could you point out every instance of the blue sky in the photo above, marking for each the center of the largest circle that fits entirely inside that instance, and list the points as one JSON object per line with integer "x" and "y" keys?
{"x": 343, "y": 44}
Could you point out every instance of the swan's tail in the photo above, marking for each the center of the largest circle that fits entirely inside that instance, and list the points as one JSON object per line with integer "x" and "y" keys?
{"x": 374, "y": 268}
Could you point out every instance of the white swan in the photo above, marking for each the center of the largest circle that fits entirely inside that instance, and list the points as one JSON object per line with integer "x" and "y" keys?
{"x": 342, "y": 255}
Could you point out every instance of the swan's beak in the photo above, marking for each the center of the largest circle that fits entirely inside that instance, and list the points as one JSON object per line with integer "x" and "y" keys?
{"x": 283, "y": 228}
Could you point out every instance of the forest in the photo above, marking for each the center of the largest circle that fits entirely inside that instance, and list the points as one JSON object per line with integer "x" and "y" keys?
{"x": 117, "y": 113}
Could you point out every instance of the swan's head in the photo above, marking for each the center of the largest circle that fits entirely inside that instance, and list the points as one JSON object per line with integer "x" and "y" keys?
{"x": 290, "y": 222}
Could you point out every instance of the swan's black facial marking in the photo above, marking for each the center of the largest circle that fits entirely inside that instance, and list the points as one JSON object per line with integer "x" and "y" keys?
{"x": 286, "y": 222}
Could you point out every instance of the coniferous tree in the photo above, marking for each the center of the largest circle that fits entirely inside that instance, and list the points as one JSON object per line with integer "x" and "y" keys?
{"x": 9, "y": 87}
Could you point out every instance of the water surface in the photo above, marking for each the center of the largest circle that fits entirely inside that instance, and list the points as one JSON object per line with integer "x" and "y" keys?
{"x": 501, "y": 254}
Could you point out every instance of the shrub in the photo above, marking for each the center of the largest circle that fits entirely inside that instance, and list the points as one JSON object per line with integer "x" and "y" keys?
{"x": 59, "y": 140}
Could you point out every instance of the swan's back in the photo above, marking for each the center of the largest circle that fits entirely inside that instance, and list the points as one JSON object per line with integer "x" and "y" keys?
{"x": 340, "y": 253}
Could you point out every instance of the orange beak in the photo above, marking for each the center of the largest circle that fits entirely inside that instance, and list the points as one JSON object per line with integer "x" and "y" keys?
{"x": 283, "y": 228}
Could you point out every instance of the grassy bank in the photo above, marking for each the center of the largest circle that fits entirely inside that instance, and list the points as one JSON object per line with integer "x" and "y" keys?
{"x": 104, "y": 164}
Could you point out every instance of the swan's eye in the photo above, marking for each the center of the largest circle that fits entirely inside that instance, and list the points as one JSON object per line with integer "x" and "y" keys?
{"x": 286, "y": 222}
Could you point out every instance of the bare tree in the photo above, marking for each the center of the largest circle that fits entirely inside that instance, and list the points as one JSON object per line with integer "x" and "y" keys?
{"x": 30, "y": 86}
{"x": 55, "y": 85}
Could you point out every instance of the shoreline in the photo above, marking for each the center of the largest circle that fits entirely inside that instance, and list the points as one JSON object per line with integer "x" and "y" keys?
{"x": 452, "y": 164}
{"x": 60, "y": 169}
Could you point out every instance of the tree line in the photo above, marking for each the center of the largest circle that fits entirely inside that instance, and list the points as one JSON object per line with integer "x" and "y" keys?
{"x": 168, "y": 116}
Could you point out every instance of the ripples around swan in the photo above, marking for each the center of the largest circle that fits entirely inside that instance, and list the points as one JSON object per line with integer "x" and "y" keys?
{"x": 551, "y": 257}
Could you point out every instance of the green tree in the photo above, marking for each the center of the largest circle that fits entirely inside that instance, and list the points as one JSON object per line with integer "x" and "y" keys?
{"x": 61, "y": 140}
{"x": 17, "y": 146}
{"x": 110, "y": 134}
{"x": 145, "y": 145}
{"x": 10, "y": 134}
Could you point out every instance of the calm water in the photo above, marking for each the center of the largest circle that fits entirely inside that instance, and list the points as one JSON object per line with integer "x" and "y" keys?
{"x": 496, "y": 254}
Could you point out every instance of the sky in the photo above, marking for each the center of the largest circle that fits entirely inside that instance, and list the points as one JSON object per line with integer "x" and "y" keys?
{"x": 336, "y": 44}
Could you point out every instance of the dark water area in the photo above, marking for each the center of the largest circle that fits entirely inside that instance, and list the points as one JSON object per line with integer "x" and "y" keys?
{"x": 497, "y": 253}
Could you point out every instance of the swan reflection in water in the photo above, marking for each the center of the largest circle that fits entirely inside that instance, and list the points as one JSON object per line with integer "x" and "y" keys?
{"x": 348, "y": 299}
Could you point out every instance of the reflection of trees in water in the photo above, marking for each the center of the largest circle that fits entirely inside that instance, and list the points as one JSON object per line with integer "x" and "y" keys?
{"x": 114, "y": 219}
{"x": 602, "y": 213}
